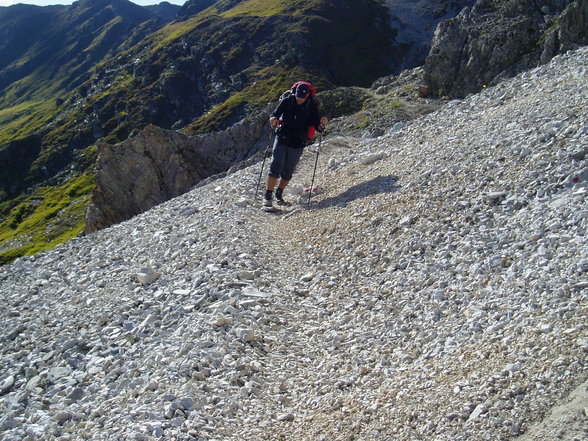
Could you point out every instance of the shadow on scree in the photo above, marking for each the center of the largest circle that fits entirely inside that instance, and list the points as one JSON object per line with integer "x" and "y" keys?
{"x": 381, "y": 184}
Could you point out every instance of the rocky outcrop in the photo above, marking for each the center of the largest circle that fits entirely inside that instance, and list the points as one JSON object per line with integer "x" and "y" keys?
{"x": 415, "y": 22}
{"x": 159, "y": 164}
{"x": 165, "y": 10}
{"x": 495, "y": 40}
{"x": 569, "y": 32}
{"x": 193, "y": 7}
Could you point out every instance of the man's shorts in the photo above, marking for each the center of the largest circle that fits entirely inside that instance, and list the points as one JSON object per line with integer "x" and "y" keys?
{"x": 284, "y": 161}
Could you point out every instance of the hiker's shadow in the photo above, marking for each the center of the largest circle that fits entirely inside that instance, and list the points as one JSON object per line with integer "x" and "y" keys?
{"x": 381, "y": 184}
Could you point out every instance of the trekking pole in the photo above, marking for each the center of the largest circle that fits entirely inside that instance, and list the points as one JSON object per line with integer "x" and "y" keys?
{"x": 263, "y": 163}
{"x": 315, "y": 164}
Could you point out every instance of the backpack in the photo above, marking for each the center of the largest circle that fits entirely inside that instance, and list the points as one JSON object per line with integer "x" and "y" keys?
{"x": 292, "y": 91}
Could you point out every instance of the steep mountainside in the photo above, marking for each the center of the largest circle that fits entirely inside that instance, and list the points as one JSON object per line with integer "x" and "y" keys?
{"x": 204, "y": 72}
{"x": 435, "y": 289}
{"x": 222, "y": 60}
{"x": 416, "y": 22}
{"x": 45, "y": 53}
{"x": 165, "y": 10}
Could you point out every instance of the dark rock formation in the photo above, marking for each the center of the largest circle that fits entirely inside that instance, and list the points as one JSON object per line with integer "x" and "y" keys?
{"x": 496, "y": 39}
{"x": 415, "y": 21}
{"x": 569, "y": 32}
{"x": 159, "y": 164}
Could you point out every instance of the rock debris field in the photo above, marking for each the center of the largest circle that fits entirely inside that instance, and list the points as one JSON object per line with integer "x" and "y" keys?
{"x": 436, "y": 289}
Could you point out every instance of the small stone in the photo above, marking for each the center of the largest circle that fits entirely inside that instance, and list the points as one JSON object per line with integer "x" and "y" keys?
{"x": 286, "y": 417}
{"x": 187, "y": 403}
{"x": 247, "y": 275}
{"x": 62, "y": 416}
{"x": 76, "y": 394}
{"x": 579, "y": 154}
{"x": 496, "y": 196}
{"x": 242, "y": 202}
{"x": 15, "y": 333}
{"x": 245, "y": 334}
{"x": 58, "y": 373}
{"x": 36, "y": 381}
{"x": 7, "y": 423}
{"x": 7, "y": 384}
{"x": 147, "y": 276}
{"x": 222, "y": 321}
{"x": 307, "y": 277}
{"x": 406, "y": 221}
{"x": 373, "y": 157}
{"x": 514, "y": 367}
{"x": 477, "y": 412}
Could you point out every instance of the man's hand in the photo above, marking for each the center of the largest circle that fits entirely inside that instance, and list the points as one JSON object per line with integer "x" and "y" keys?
{"x": 273, "y": 121}
{"x": 323, "y": 124}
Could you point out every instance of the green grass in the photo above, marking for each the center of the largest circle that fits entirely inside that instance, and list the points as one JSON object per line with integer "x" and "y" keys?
{"x": 174, "y": 31}
{"x": 256, "y": 8}
{"x": 24, "y": 119}
{"x": 45, "y": 219}
{"x": 265, "y": 89}
{"x": 253, "y": 8}
{"x": 268, "y": 8}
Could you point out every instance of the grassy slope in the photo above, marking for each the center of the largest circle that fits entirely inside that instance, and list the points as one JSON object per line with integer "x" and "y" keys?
{"x": 342, "y": 50}
{"x": 48, "y": 217}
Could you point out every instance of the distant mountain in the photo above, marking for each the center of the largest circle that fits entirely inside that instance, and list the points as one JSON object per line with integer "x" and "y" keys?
{"x": 45, "y": 51}
{"x": 194, "y": 7}
{"x": 23, "y": 27}
{"x": 165, "y": 10}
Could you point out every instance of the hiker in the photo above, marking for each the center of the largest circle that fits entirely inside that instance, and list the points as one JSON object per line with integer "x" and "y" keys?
{"x": 295, "y": 114}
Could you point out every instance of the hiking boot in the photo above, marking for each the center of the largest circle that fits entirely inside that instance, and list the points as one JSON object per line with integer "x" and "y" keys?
{"x": 280, "y": 198}
{"x": 267, "y": 203}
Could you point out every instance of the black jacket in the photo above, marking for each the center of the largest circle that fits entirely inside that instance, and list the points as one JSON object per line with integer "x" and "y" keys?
{"x": 295, "y": 120}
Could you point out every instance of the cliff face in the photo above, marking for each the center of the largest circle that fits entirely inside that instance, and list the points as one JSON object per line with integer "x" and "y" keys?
{"x": 157, "y": 165}
{"x": 569, "y": 32}
{"x": 499, "y": 39}
{"x": 415, "y": 22}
